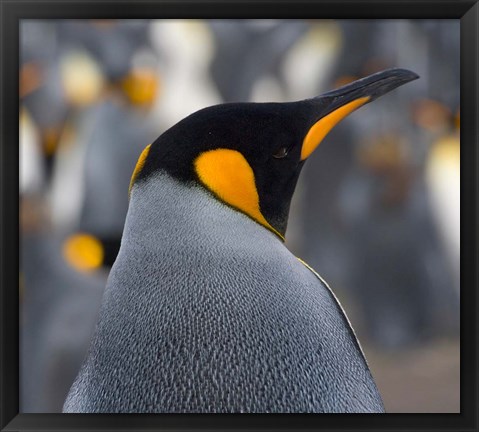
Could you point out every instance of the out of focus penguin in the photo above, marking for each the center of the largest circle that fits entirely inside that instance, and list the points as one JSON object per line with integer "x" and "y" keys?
{"x": 59, "y": 307}
{"x": 205, "y": 309}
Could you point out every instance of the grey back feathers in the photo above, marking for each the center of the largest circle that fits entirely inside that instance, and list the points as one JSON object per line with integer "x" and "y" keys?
{"x": 207, "y": 311}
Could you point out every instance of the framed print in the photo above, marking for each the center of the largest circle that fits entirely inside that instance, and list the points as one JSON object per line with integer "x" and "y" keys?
{"x": 200, "y": 232}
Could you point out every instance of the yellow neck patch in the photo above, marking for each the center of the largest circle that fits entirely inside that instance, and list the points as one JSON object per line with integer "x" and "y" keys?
{"x": 322, "y": 127}
{"x": 83, "y": 252}
{"x": 139, "y": 166}
{"x": 229, "y": 176}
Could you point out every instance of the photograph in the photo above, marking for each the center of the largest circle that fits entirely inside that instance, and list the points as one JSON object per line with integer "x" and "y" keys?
{"x": 243, "y": 216}
{"x": 174, "y": 260}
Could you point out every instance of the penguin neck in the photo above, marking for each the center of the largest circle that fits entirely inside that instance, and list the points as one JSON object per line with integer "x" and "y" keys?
{"x": 165, "y": 212}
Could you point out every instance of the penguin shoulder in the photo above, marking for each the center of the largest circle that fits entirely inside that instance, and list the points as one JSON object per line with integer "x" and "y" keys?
{"x": 340, "y": 308}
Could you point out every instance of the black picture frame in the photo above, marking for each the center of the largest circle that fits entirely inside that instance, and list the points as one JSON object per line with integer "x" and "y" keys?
{"x": 12, "y": 11}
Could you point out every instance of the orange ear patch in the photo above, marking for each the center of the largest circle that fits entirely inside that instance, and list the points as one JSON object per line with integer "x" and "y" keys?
{"x": 83, "y": 252}
{"x": 139, "y": 166}
{"x": 229, "y": 176}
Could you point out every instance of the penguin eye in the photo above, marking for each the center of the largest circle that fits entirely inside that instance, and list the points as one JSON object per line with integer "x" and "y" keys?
{"x": 281, "y": 153}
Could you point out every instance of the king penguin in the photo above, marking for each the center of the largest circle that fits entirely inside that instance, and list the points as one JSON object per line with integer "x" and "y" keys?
{"x": 205, "y": 309}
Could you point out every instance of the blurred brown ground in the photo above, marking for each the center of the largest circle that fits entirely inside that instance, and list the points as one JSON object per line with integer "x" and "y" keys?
{"x": 418, "y": 380}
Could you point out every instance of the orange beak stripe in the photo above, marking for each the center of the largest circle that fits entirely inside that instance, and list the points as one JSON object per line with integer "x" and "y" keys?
{"x": 322, "y": 127}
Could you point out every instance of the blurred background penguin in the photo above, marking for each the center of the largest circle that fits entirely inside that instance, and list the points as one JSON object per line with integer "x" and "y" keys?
{"x": 376, "y": 211}
{"x": 73, "y": 185}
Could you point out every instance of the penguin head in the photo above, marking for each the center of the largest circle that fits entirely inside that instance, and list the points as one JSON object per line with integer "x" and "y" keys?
{"x": 250, "y": 155}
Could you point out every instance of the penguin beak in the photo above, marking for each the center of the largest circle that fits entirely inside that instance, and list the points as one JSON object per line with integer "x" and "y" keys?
{"x": 338, "y": 103}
